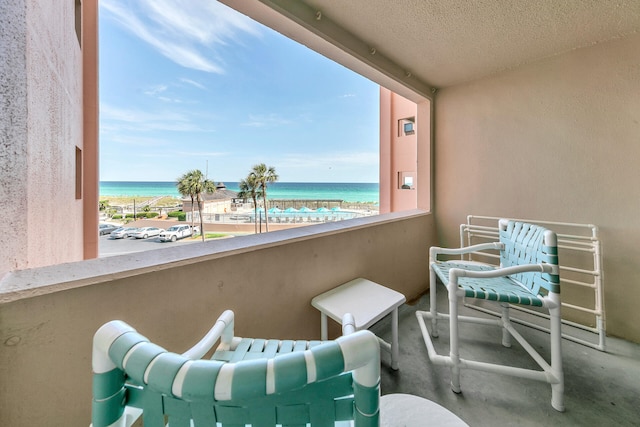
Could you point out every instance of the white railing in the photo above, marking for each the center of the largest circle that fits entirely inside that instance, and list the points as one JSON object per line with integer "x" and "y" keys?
{"x": 580, "y": 259}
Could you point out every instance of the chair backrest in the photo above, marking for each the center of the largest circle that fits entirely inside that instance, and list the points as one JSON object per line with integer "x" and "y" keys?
{"x": 332, "y": 381}
{"x": 526, "y": 243}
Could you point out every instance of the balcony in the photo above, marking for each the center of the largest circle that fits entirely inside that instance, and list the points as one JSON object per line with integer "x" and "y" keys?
{"x": 172, "y": 295}
{"x": 601, "y": 388}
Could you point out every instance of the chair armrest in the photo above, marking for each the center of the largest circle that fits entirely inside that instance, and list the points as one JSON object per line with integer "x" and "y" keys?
{"x": 501, "y": 272}
{"x": 434, "y": 251}
{"x": 222, "y": 330}
{"x": 348, "y": 324}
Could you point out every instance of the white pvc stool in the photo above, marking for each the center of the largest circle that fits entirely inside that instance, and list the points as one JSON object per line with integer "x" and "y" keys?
{"x": 406, "y": 410}
{"x": 368, "y": 302}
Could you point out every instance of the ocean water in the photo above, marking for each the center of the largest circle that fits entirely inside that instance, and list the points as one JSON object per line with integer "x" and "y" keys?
{"x": 347, "y": 191}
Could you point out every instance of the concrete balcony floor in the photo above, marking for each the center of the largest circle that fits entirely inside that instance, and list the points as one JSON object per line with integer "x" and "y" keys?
{"x": 601, "y": 388}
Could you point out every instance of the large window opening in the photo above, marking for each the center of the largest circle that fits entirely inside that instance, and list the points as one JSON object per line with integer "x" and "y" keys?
{"x": 179, "y": 93}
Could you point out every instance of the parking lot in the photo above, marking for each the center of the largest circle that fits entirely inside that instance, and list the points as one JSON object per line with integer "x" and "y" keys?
{"x": 110, "y": 247}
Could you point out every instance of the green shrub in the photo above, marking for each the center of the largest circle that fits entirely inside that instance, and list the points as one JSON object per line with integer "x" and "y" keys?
{"x": 116, "y": 216}
{"x": 129, "y": 215}
{"x": 182, "y": 216}
{"x": 152, "y": 214}
{"x": 175, "y": 214}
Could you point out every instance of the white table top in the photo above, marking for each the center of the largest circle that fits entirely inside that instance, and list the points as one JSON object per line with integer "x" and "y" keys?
{"x": 366, "y": 300}
{"x": 408, "y": 410}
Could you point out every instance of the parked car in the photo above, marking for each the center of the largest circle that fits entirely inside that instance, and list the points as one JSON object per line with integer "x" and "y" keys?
{"x": 175, "y": 232}
{"x": 106, "y": 228}
{"x": 144, "y": 232}
{"x": 122, "y": 232}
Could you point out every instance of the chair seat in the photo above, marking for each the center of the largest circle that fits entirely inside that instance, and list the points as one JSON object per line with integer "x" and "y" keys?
{"x": 253, "y": 348}
{"x": 501, "y": 289}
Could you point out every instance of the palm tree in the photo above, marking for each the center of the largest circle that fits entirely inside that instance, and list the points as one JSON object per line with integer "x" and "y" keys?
{"x": 263, "y": 175}
{"x": 194, "y": 183}
{"x": 249, "y": 188}
{"x": 184, "y": 188}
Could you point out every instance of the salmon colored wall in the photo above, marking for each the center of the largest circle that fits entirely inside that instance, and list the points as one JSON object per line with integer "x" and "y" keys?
{"x": 554, "y": 140}
{"x": 90, "y": 152}
{"x": 399, "y": 153}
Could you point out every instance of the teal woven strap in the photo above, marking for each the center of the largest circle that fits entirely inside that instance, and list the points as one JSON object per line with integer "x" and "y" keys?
{"x": 139, "y": 360}
{"x": 178, "y": 412}
{"x": 121, "y": 346}
{"x": 293, "y": 415}
{"x": 367, "y": 399}
{"x": 152, "y": 409}
{"x": 369, "y": 420}
{"x": 344, "y": 409}
{"x": 203, "y": 414}
{"x": 249, "y": 379}
{"x": 235, "y": 355}
{"x": 525, "y": 244}
{"x": 329, "y": 360}
{"x": 290, "y": 371}
{"x": 107, "y": 411}
{"x": 200, "y": 379}
{"x": 320, "y": 404}
{"x": 107, "y": 383}
{"x": 164, "y": 370}
{"x": 502, "y": 289}
{"x": 229, "y": 415}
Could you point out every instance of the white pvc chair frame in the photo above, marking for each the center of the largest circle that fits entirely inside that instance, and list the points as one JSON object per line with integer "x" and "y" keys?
{"x": 551, "y": 373}
{"x": 360, "y": 351}
{"x": 581, "y": 240}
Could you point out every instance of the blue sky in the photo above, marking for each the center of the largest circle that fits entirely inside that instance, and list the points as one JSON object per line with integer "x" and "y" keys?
{"x": 193, "y": 84}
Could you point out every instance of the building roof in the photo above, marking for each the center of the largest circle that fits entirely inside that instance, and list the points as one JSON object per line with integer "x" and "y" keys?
{"x": 221, "y": 193}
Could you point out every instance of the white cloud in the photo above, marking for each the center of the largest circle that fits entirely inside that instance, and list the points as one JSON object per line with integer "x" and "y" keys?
{"x": 330, "y": 160}
{"x": 155, "y": 90}
{"x": 193, "y": 83}
{"x": 185, "y": 31}
{"x": 266, "y": 120}
{"x": 114, "y": 119}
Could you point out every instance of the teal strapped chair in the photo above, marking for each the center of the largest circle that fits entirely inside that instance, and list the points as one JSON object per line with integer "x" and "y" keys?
{"x": 247, "y": 381}
{"x": 527, "y": 276}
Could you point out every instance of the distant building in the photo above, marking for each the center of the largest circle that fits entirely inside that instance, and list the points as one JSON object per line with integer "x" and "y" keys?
{"x": 221, "y": 201}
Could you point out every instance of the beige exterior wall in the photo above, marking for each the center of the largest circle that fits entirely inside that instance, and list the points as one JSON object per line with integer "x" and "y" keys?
{"x": 555, "y": 140}
{"x": 40, "y": 128}
{"x": 48, "y": 316}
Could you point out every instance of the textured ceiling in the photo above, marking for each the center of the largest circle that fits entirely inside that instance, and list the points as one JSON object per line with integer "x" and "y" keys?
{"x": 446, "y": 42}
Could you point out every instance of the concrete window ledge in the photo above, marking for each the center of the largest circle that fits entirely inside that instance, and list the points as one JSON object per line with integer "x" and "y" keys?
{"x": 29, "y": 283}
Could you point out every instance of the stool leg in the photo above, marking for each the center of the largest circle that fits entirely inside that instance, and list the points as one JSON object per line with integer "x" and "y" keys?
{"x": 323, "y": 326}
{"x": 557, "y": 388}
{"x": 506, "y": 320}
{"x": 454, "y": 353}
{"x": 395, "y": 350}
{"x": 432, "y": 303}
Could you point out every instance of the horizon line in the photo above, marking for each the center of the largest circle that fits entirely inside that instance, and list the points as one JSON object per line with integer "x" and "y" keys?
{"x": 294, "y": 182}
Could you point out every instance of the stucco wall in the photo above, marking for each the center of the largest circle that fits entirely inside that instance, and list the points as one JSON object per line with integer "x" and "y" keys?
{"x": 555, "y": 140}
{"x": 13, "y": 134}
{"x": 173, "y": 295}
{"x": 41, "y": 125}
{"x": 54, "y": 103}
